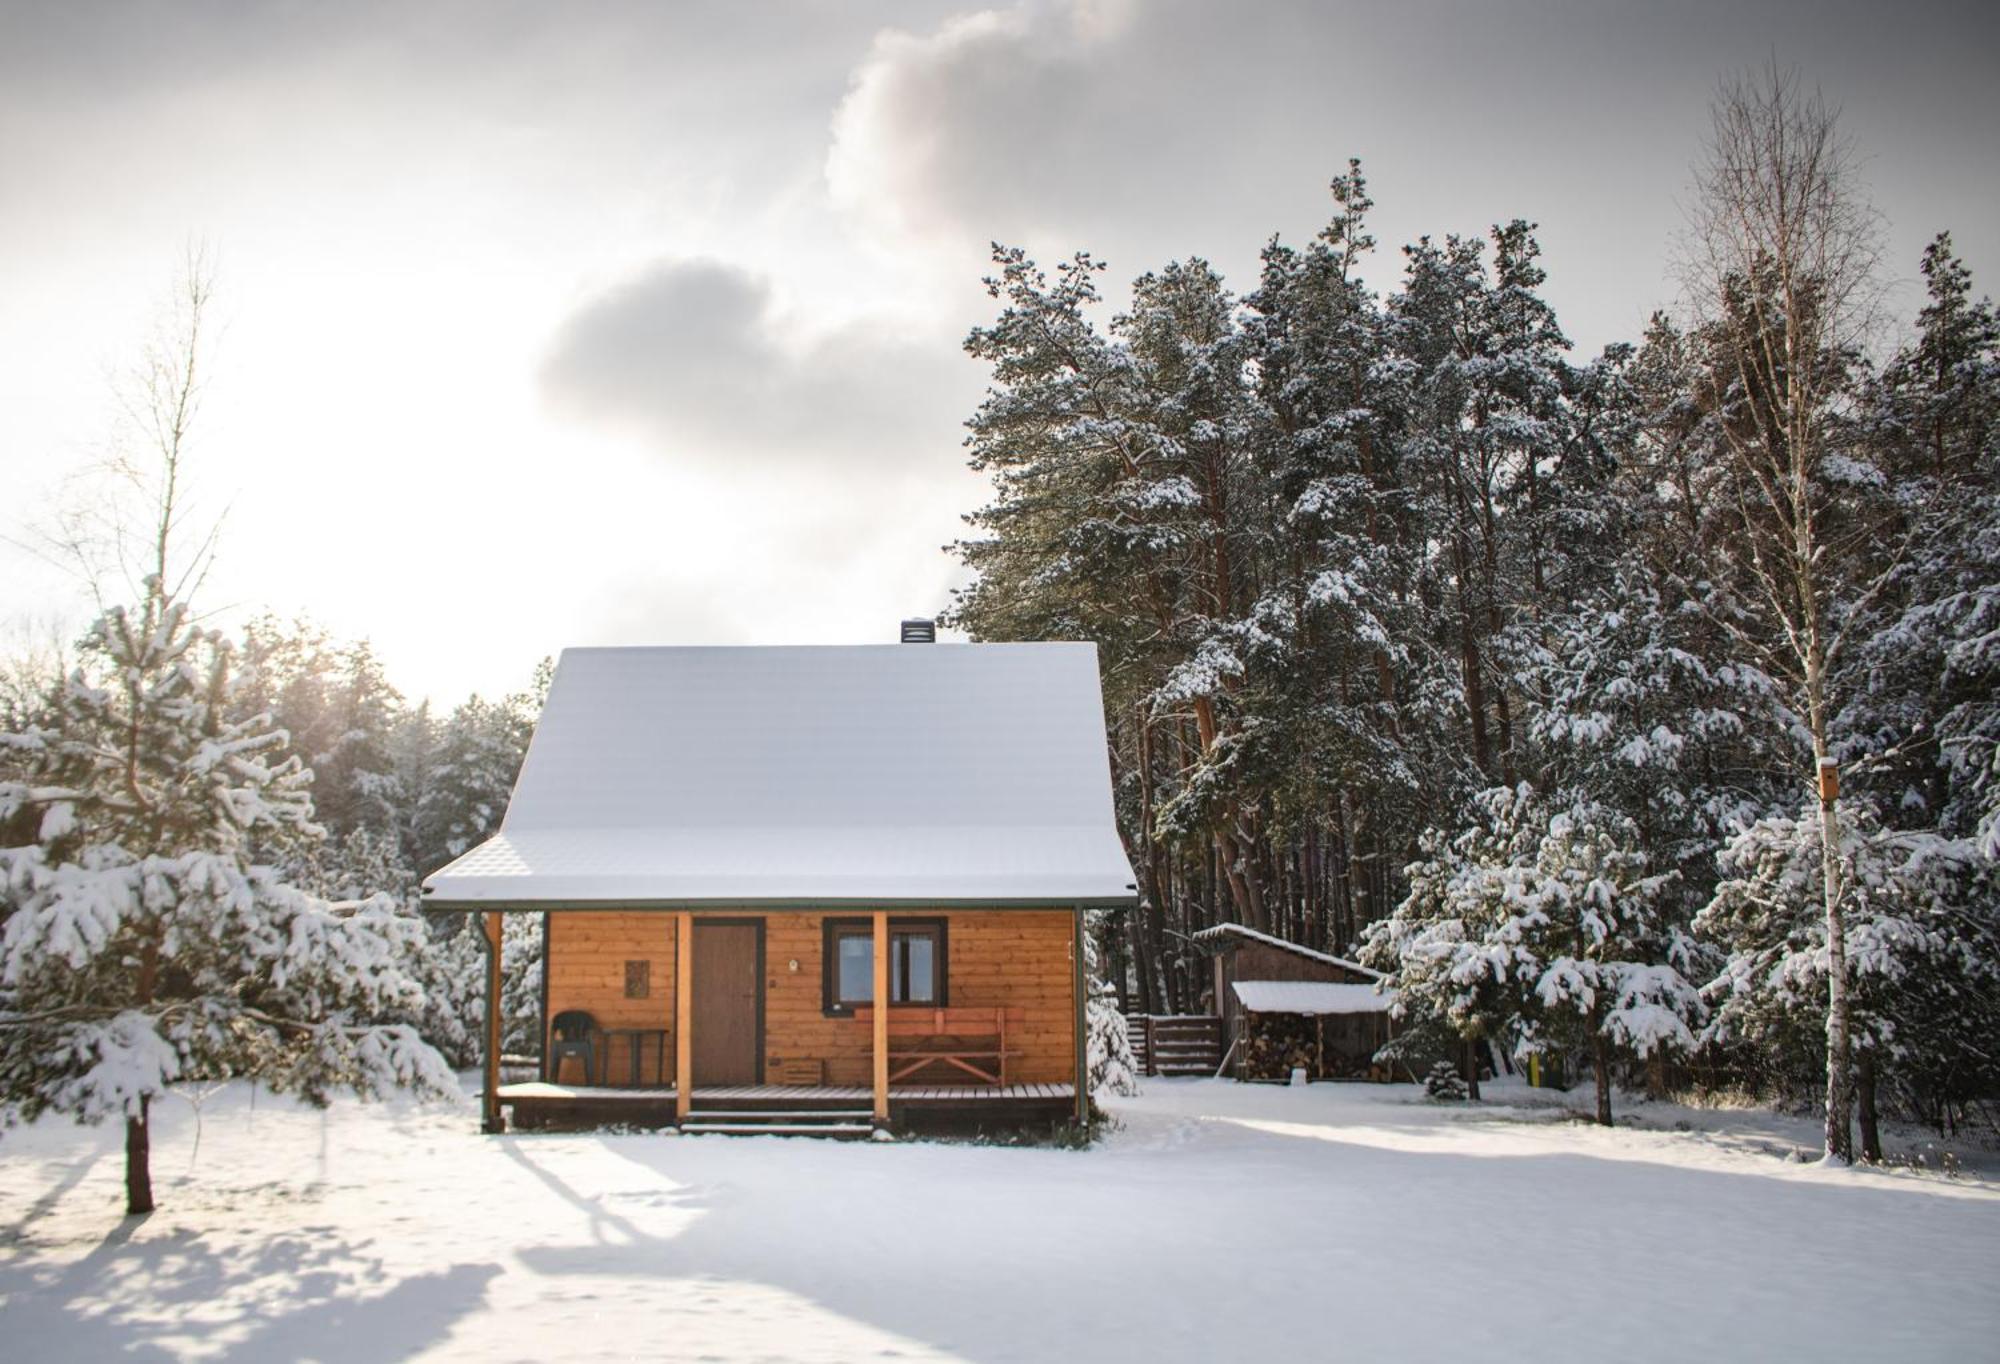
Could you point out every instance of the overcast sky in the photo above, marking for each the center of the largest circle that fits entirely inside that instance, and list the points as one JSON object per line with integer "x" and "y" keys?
{"x": 639, "y": 323}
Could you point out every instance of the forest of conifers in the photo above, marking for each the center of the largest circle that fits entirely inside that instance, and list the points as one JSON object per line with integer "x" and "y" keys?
{"x": 1427, "y": 642}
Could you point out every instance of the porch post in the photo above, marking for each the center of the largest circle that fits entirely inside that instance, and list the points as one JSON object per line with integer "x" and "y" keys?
{"x": 1079, "y": 1002}
{"x": 881, "y": 1017}
{"x": 683, "y": 1014}
{"x": 489, "y": 1101}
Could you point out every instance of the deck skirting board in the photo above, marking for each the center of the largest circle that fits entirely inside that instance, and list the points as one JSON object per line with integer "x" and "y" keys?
{"x": 540, "y": 1091}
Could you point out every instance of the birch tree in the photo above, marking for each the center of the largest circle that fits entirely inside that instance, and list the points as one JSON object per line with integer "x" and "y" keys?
{"x": 1780, "y": 261}
{"x": 145, "y": 937}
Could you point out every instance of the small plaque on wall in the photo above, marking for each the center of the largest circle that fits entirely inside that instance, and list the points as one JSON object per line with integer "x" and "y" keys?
{"x": 638, "y": 979}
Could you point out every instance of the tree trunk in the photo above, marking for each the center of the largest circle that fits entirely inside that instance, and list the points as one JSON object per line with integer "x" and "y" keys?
{"x": 1468, "y": 1062}
{"x": 1600, "y": 1070}
{"x": 138, "y": 1161}
{"x": 1871, "y": 1128}
{"x": 1839, "y": 1100}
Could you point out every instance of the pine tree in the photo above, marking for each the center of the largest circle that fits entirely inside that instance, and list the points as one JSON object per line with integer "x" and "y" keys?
{"x": 1923, "y": 966}
{"x": 142, "y": 943}
{"x": 1544, "y": 929}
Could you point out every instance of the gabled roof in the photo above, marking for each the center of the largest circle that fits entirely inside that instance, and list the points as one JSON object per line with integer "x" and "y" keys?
{"x": 900, "y": 773}
{"x": 1311, "y": 997}
{"x": 1222, "y": 937}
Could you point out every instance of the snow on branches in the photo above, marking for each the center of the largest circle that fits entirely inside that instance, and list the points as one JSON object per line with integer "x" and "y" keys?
{"x": 145, "y": 938}
{"x": 1543, "y": 927}
{"x": 1923, "y": 948}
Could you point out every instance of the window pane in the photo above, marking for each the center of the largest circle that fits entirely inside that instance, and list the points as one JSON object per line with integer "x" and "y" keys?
{"x": 923, "y": 969}
{"x": 855, "y": 978}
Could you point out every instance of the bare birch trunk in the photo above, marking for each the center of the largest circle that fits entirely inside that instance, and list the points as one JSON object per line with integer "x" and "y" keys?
{"x": 1839, "y": 1100}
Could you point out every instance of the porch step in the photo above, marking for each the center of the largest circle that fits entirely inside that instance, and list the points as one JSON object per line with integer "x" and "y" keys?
{"x": 847, "y": 1131}
{"x": 783, "y": 1114}
{"x": 845, "y": 1123}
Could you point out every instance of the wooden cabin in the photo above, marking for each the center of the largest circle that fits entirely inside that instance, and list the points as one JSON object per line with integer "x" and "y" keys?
{"x": 738, "y": 857}
{"x": 1285, "y": 1007}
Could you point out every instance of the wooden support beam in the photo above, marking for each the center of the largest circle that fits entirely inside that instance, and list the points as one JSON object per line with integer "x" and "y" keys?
{"x": 683, "y": 1014}
{"x": 1079, "y": 998}
{"x": 881, "y": 1000}
{"x": 489, "y": 1101}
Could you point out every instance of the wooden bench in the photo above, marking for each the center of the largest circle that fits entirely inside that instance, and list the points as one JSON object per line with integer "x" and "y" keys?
{"x": 972, "y": 1040}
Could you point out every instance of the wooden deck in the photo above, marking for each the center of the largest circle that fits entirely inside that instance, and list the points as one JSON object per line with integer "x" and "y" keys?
{"x": 542, "y": 1091}
{"x": 785, "y": 1108}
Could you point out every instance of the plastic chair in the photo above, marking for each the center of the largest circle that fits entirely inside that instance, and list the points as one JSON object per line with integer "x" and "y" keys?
{"x": 573, "y": 1029}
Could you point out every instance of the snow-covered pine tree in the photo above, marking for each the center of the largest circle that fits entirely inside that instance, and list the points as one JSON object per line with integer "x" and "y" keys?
{"x": 339, "y": 710}
{"x": 1543, "y": 928}
{"x": 142, "y": 944}
{"x": 1923, "y": 962}
{"x": 1336, "y": 624}
{"x": 1922, "y": 688}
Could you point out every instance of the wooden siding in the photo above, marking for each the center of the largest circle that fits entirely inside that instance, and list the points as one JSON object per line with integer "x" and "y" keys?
{"x": 1261, "y": 961}
{"x": 586, "y": 970}
{"x": 1017, "y": 958}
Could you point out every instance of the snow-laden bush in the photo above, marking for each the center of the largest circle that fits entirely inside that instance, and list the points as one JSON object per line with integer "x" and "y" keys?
{"x": 1113, "y": 1067}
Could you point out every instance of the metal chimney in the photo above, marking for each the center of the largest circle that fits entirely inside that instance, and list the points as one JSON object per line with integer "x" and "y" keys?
{"x": 918, "y": 630}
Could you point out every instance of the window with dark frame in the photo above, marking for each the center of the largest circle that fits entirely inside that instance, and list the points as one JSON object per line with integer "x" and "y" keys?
{"x": 917, "y": 963}
{"x": 638, "y": 979}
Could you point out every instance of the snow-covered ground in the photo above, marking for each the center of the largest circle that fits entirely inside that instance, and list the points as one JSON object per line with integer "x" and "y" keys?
{"x": 1222, "y": 1222}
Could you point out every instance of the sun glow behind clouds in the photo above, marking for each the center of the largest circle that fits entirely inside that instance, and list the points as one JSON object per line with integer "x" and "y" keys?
{"x": 412, "y": 209}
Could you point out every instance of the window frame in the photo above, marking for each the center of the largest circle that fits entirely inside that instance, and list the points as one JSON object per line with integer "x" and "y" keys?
{"x": 834, "y": 929}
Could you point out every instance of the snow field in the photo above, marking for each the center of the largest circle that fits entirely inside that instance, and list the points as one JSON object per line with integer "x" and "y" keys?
{"x": 1220, "y": 1222}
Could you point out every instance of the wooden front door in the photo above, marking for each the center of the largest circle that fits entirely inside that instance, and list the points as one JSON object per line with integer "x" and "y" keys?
{"x": 728, "y": 1003}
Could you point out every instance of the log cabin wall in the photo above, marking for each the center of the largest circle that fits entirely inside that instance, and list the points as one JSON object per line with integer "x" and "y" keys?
{"x": 1016, "y": 958}
{"x": 588, "y": 952}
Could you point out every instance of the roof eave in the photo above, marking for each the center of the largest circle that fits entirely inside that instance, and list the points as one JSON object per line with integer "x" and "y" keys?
{"x": 573, "y": 904}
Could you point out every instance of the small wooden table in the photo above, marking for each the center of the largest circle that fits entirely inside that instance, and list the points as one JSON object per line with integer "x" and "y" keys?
{"x": 635, "y": 1046}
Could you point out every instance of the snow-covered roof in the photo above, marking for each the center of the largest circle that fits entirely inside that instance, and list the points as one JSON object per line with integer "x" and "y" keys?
{"x": 1221, "y": 933}
{"x": 1311, "y": 997}
{"x": 914, "y": 773}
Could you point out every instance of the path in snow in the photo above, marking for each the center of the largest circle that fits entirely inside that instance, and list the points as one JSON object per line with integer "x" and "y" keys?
{"x": 1223, "y": 1222}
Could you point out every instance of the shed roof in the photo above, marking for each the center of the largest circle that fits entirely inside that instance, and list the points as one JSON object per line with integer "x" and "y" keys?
{"x": 899, "y": 773}
{"x": 1222, "y": 937}
{"x": 1312, "y": 997}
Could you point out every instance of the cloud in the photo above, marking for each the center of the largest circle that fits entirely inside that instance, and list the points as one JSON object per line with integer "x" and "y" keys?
{"x": 1149, "y": 132}
{"x": 994, "y": 118}
{"x": 699, "y": 357}
{"x": 1067, "y": 124}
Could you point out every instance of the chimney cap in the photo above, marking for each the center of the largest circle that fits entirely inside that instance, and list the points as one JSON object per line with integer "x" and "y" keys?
{"x": 919, "y": 630}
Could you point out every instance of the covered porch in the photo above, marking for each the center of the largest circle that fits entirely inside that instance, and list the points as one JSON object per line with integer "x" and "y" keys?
{"x": 772, "y": 1010}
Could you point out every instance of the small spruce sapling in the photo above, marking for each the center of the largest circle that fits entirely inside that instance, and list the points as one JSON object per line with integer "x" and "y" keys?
{"x": 1444, "y": 1084}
